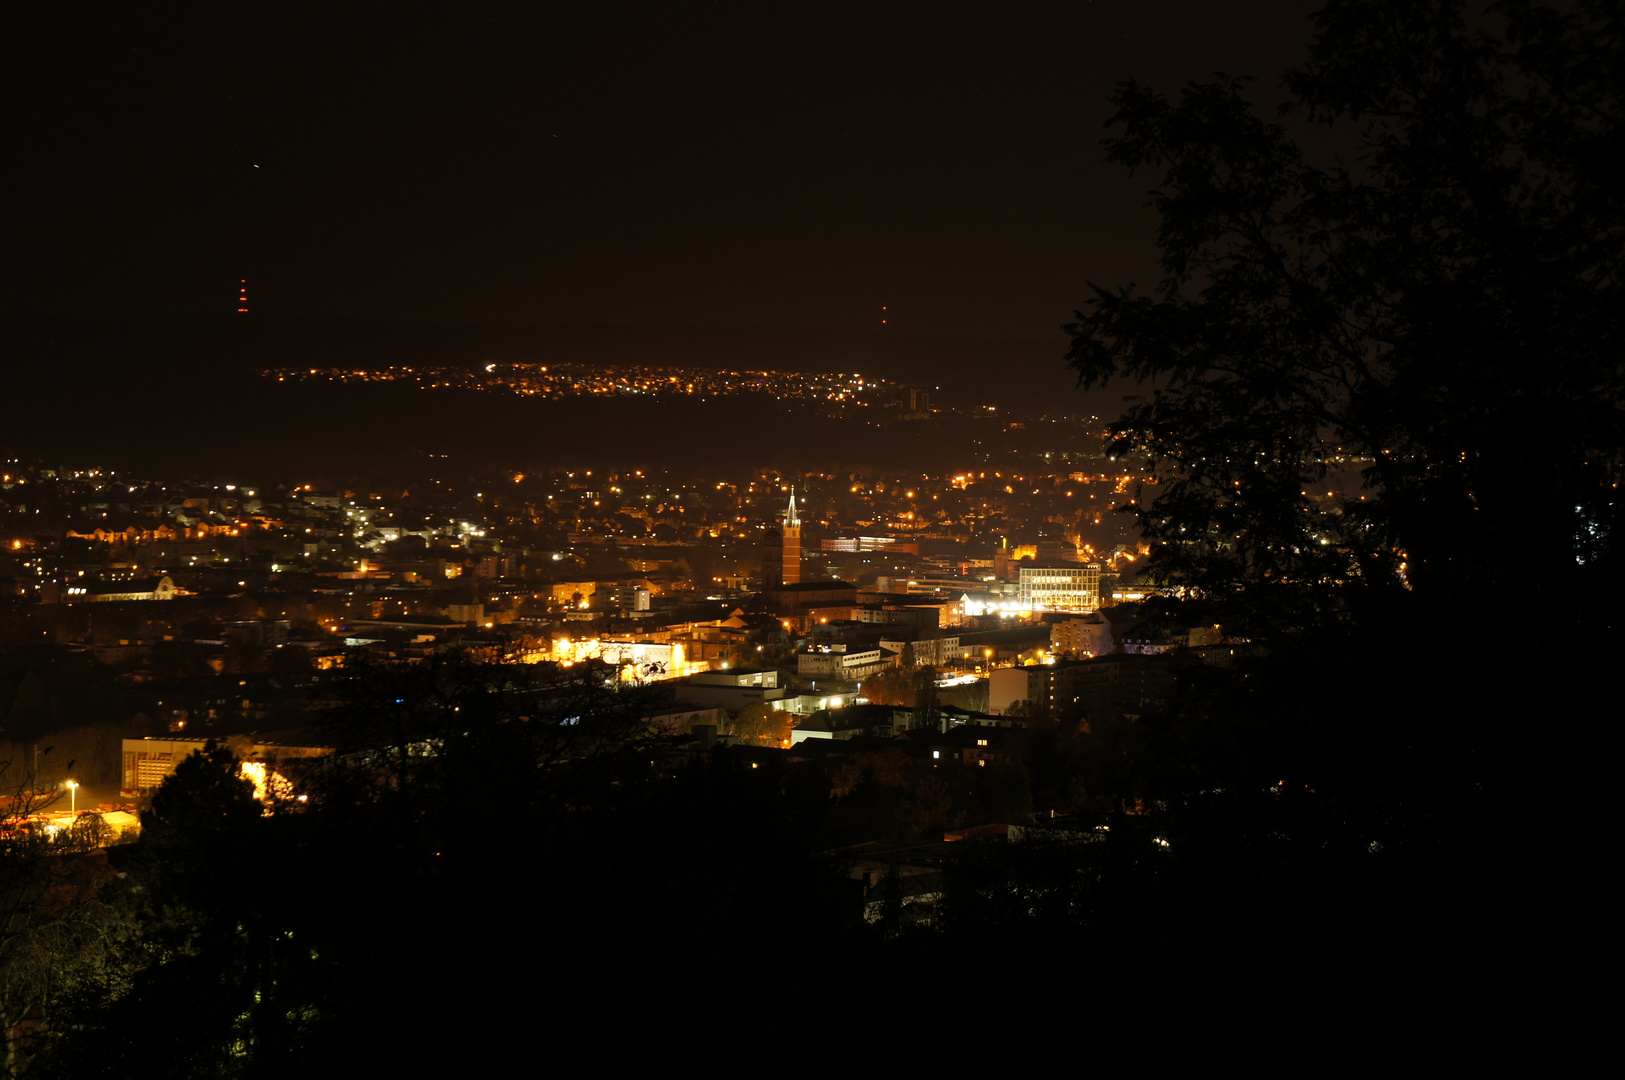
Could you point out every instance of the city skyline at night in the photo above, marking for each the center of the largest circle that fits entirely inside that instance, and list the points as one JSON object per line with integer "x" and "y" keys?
{"x": 594, "y": 536}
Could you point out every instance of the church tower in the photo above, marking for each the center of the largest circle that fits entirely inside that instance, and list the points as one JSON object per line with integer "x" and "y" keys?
{"x": 792, "y": 543}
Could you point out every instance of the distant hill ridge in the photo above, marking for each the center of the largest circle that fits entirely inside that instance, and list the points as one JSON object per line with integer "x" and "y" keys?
{"x": 257, "y": 340}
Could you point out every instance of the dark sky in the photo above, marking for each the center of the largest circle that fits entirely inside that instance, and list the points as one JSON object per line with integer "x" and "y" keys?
{"x": 702, "y": 164}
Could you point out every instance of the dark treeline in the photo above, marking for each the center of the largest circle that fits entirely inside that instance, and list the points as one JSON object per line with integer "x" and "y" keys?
{"x": 487, "y": 860}
{"x": 492, "y": 858}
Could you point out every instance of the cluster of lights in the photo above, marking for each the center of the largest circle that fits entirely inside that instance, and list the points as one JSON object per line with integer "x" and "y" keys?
{"x": 576, "y": 380}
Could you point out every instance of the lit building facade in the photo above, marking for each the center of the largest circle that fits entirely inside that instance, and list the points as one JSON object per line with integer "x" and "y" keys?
{"x": 1081, "y": 637}
{"x": 866, "y": 543}
{"x": 1060, "y": 588}
{"x": 835, "y": 662}
{"x": 158, "y": 588}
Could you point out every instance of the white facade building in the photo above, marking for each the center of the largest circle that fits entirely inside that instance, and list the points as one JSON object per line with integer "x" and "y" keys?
{"x": 1060, "y": 588}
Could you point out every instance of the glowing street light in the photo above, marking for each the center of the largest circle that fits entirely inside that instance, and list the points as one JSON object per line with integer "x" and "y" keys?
{"x": 73, "y": 797}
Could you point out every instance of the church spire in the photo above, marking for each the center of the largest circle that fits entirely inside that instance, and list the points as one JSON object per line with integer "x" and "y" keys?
{"x": 792, "y": 543}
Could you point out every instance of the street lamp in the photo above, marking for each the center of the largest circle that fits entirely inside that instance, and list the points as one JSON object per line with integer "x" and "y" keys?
{"x": 73, "y": 797}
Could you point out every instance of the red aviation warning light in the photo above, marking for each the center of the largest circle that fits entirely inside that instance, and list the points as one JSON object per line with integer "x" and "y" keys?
{"x": 242, "y": 296}
{"x": 882, "y": 308}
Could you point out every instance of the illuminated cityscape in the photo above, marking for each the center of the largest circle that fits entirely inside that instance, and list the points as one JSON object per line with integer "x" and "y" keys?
{"x": 751, "y": 532}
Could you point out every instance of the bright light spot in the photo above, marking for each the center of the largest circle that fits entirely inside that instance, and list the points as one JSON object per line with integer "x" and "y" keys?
{"x": 267, "y": 783}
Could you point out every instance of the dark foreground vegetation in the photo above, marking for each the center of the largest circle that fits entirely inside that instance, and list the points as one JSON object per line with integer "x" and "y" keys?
{"x": 489, "y": 864}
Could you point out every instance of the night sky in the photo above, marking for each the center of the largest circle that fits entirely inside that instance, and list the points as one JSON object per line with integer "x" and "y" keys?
{"x": 787, "y": 167}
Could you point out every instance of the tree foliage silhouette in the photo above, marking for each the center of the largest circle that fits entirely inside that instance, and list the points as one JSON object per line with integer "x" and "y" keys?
{"x": 1443, "y": 308}
{"x": 1434, "y": 303}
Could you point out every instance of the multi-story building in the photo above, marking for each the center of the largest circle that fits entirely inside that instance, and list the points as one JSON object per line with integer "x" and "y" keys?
{"x": 1060, "y": 588}
{"x": 867, "y": 543}
{"x": 1033, "y": 685}
{"x": 1081, "y": 637}
{"x": 936, "y": 651}
{"x": 1127, "y": 684}
{"x": 836, "y": 662}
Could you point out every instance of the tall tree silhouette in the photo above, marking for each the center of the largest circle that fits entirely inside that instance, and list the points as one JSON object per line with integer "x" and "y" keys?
{"x": 1442, "y": 307}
